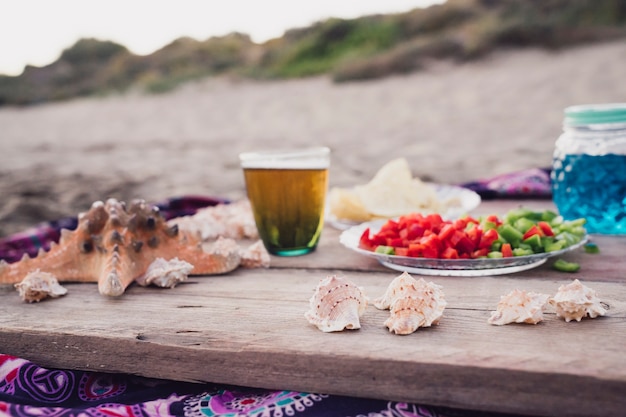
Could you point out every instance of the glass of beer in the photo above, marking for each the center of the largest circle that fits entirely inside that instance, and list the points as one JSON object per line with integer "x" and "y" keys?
{"x": 287, "y": 190}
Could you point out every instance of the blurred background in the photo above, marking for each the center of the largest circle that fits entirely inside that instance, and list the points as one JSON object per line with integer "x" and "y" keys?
{"x": 155, "y": 99}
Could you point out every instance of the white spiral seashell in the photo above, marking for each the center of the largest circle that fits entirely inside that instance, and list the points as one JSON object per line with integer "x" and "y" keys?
{"x": 412, "y": 304}
{"x": 519, "y": 307}
{"x": 165, "y": 274}
{"x": 575, "y": 301}
{"x": 337, "y": 304}
{"x": 38, "y": 285}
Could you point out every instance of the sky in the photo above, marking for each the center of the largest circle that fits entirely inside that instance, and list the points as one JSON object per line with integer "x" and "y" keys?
{"x": 35, "y": 32}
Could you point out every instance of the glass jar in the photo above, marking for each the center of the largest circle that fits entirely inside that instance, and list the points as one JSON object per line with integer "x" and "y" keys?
{"x": 589, "y": 167}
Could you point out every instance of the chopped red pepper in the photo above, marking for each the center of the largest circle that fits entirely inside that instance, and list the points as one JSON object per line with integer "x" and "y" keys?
{"x": 506, "y": 250}
{"x": 449, "y": 253}
{"x": 474, "y": 234}
{"x": 365, "y": 242}
{"x": 545, "y": 228}
{"x": 494, "y": 219}
{"x": 534, "y": 230}
{"x": 479, "y": 253}
{"x": 487, "y": 239}
{"x": 402, "y": 251}
{"x": 395, "y": 242}
{"x": 447, "y": 231}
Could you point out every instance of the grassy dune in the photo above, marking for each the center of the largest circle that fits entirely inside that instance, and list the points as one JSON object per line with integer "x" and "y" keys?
{"x": 347, "y": 50}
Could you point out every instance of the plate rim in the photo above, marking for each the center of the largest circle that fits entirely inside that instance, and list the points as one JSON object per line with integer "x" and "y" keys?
{"x": 465, "y": 272}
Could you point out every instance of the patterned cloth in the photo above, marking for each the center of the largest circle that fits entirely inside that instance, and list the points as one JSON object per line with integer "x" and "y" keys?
{"x": 530, "y": 183}
{"x": 28, "y": 390}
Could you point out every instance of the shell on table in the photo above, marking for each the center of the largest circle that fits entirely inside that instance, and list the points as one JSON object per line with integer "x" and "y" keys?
{"x": 412, "y": 304}
{"x": 575, "y": 301}
{"x": 165, "y": 273}
{"x": 337, "y": 304}
{"x": 234, "y": 221}
{"x": 396, "y": 289}
{"x": 38, "y": 285}
{"x": 255, "y": 256}
{"x": 519, "y": 306}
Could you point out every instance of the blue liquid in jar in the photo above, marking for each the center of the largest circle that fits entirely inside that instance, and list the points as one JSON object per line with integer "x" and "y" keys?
{"x": 593, "y": 187}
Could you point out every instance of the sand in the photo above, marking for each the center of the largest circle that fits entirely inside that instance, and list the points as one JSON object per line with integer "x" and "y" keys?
{"x": 454, "y": 123}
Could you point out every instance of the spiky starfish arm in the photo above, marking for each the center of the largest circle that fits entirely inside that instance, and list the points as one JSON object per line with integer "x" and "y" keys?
{"x": 114, "y": 246}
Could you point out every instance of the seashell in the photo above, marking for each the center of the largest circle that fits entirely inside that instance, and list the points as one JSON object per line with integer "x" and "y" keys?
{"x": 337, "y": 304}
{"x": 165, "y": 274}
{"x": 575, "y": 301}
{"x": 519, "y": 307}
{"x": 234, "y": 220}
{"x": 38, "y": 285}
{"x": 255, "y": 256}
{"x": 412, "y": 304}
{"x": 395, "y": 289}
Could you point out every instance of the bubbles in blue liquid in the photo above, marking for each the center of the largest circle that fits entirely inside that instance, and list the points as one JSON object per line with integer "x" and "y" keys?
{"x": 593, "y": 187}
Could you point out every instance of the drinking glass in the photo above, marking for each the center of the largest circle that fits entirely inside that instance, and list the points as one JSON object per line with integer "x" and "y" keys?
{"x": 287, "y": 190}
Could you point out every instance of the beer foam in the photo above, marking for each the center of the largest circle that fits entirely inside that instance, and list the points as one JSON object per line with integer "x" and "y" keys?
{"x": 317, "y": 158}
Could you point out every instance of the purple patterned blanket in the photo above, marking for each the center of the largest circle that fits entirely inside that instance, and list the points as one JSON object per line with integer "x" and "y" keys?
{"x": 28, "y": 390}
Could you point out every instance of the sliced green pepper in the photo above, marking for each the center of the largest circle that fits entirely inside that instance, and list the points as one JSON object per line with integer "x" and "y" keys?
{"x": 523, "y": 224}
{"x": 592, "y": 248}
{"x": 564, "y": 266}
{"x": 489, "y": 225}
{"x": 510, "y": 234}
{"x": 521, "y": 212}
{"x": 554, "y": 246}
{"x": 496, "y": 246}
{"x": 522, "y": 252}
{"x": 385, "y": 250}
{"x": 535, "y": 242}
{"x": 548, "y": 216}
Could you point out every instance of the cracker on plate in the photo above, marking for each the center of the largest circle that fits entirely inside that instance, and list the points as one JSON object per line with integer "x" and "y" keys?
{"x": 392, "y": 192}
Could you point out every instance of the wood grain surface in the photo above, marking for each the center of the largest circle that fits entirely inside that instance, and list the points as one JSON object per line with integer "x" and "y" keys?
{"x": 248, "y": 328}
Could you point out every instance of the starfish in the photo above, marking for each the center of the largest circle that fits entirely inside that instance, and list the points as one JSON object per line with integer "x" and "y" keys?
{"x": 115, "y": 245}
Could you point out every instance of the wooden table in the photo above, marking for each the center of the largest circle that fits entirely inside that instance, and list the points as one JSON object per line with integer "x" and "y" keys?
{"x": 248, "y": 328}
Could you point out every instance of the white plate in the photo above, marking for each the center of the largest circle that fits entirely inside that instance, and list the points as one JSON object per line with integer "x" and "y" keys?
{"x": 447, "y": 267}
{"x": 467, "y": 200}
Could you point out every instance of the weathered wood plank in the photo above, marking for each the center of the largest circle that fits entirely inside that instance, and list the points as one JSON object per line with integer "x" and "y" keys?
{"x": 248, "y": 328}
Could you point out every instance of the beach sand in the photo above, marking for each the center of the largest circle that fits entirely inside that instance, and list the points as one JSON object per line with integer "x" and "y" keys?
{"x": 453, "y": 122}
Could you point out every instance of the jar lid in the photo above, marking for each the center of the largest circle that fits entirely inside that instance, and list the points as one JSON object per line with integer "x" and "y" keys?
{"x": 591, "y": 114}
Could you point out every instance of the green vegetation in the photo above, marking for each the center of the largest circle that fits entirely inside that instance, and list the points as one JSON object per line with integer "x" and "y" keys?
{"x": 321, "y": 48}
{"x": 346, "y": 50}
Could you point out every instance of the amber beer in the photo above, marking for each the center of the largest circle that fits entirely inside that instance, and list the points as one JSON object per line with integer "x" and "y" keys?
{"x": 287, "y": 191}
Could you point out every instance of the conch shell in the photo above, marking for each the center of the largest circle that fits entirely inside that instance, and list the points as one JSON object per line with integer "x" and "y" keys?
{"x": 165, "y": 274}
{"x": 519, "y": 307}
{"x": 234, "y": 221}
{"x": 337, "y": 304}
{"x": 38, "y": 285}
{"x": 575, "y": 301}
{"x": 412, "y": 304}
{"x": 253, "y": 256}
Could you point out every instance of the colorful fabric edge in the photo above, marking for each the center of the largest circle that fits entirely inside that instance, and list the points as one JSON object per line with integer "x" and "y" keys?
{"x": 28, "y": 390}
